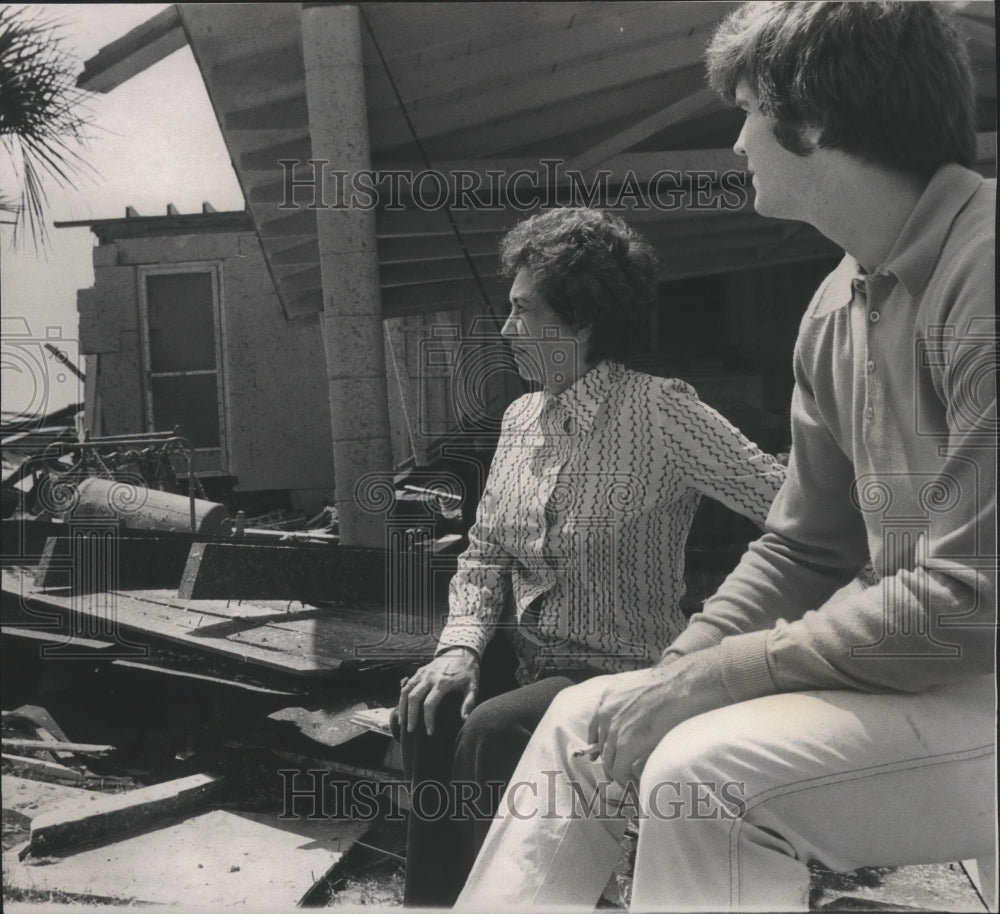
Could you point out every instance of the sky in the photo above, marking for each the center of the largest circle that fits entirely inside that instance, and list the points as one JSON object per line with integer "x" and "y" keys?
{"x": 152, "y": 141}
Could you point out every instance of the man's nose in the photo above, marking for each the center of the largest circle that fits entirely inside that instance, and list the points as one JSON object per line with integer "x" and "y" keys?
{"x": 739, "y": 147}
{"x": 511, "y": 326}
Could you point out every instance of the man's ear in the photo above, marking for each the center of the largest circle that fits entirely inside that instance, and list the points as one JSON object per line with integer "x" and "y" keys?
{"x": 811, "y": 137}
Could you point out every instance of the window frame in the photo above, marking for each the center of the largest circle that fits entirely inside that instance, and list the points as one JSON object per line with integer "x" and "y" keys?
{"x": 210, "y": 461}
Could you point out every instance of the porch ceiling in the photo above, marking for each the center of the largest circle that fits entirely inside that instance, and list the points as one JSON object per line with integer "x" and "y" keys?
{"x": 489, "y": 86}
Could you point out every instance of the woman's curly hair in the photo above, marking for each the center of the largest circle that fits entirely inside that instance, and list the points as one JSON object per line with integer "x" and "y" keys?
{"x": 591, "y": 268}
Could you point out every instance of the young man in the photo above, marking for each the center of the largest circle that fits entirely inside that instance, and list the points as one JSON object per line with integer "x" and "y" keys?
{"x": 793, "y": 721}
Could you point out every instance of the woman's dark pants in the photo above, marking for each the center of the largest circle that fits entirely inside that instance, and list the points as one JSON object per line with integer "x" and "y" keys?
{"x": 457, "y": 776}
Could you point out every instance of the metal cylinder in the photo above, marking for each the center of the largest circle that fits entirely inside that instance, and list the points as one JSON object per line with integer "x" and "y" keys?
{"x": 139, "y": 508}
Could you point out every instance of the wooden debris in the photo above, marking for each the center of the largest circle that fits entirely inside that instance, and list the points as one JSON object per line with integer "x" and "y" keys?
{"x": 210, "y": 861}
{"x": 329, "y": 727}
{"x": 308, "y": 644}
{"x": 24, "y": 798}
{"x": 44, "y": 768}
{"x": 202, "y": 677}
{"x": 39, "y": 745}
{"x": 73, "y": 824}
{"x": 37, "y": 717}
{"x": 44, "y": 637}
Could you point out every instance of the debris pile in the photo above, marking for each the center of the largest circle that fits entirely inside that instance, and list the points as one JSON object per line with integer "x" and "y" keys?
{"x": 190, "y": 693}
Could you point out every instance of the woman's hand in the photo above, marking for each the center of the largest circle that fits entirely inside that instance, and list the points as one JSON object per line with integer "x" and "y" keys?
{"x": 456, "y": 670}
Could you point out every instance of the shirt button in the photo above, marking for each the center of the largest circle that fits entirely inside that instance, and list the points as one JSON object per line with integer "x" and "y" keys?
{"x": 870, "y": 412}
{"x": 874, "y": 317}
{"x": 870, "y": 366}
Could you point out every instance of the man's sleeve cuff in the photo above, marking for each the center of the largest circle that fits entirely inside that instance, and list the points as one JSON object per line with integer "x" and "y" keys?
{"x": 695, "y": 637}
{"x": 745, "y": 671}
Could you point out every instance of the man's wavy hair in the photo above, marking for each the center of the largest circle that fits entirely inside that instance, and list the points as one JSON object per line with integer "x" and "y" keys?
{"x": 591, "y": 268}
{"x": 887, "y": 82}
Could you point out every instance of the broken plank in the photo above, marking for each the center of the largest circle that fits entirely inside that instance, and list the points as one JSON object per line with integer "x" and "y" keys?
{"x": 74, "y": 823}
{"x": 42, "y": 767}
{"x": 329, "y": 727}
{"x": 203, "y": 677}
{"x": 210, "y": 861}
{"x": 130, "y": 618}
{"x": 359, "y": 635}
{"x": 42, "y": 724}
{"x": 40, "y": 745}
{"x": 308, "y": 573}
{"x": 37, "y": 717}
{"x": 349, "y": 643}
{"x": 235, "y": 609}
{"x": 45, "y": 637}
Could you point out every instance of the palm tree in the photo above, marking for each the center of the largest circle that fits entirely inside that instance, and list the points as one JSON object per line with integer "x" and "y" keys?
{"x": 42, "y": 116}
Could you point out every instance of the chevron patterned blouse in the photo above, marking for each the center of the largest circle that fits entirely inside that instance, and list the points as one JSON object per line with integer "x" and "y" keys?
{"x": 577, "y": 552}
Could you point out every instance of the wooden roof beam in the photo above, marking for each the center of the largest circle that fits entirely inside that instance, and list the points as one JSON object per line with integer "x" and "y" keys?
{"x": 539, "y": 129}
{"x": 412, "y": 36}
{"x": 570, "y": 82}
{"x": 681, "y": 110}
{"x": 623, "y": 29}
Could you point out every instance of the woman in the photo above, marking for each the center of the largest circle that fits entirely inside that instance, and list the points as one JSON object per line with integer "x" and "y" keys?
{"x": 575, "y": 564}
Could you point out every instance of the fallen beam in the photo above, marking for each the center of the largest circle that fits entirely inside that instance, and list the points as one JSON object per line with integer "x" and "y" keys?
{"x": 309, "y": 573}
{"x": 53, "y": 638}
{"x": 218, "y": 860}
{"x": 42, "y": 767}
{"x": 203, "y": 678}
{"x": 87, "y": 821}
{"x": 40, "y": 745}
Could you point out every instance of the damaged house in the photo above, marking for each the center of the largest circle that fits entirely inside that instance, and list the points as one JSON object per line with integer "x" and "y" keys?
{"x": 336, "y": 344}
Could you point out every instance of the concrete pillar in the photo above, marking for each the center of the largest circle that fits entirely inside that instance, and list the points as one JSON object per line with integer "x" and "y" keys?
{"x": 352, "y": 308}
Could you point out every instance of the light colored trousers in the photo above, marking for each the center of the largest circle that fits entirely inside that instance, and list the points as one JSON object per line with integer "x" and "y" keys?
{"x": 734, "y": 802}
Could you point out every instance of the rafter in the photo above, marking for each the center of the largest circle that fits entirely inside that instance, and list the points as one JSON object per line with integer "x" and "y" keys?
{"x": 681, "y": 110}
{"x": 622, "y": 29}
{"x": 570, "y": 82}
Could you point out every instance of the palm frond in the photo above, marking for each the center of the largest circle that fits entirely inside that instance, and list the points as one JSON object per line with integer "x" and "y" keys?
{"x": 43, "y": 115}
